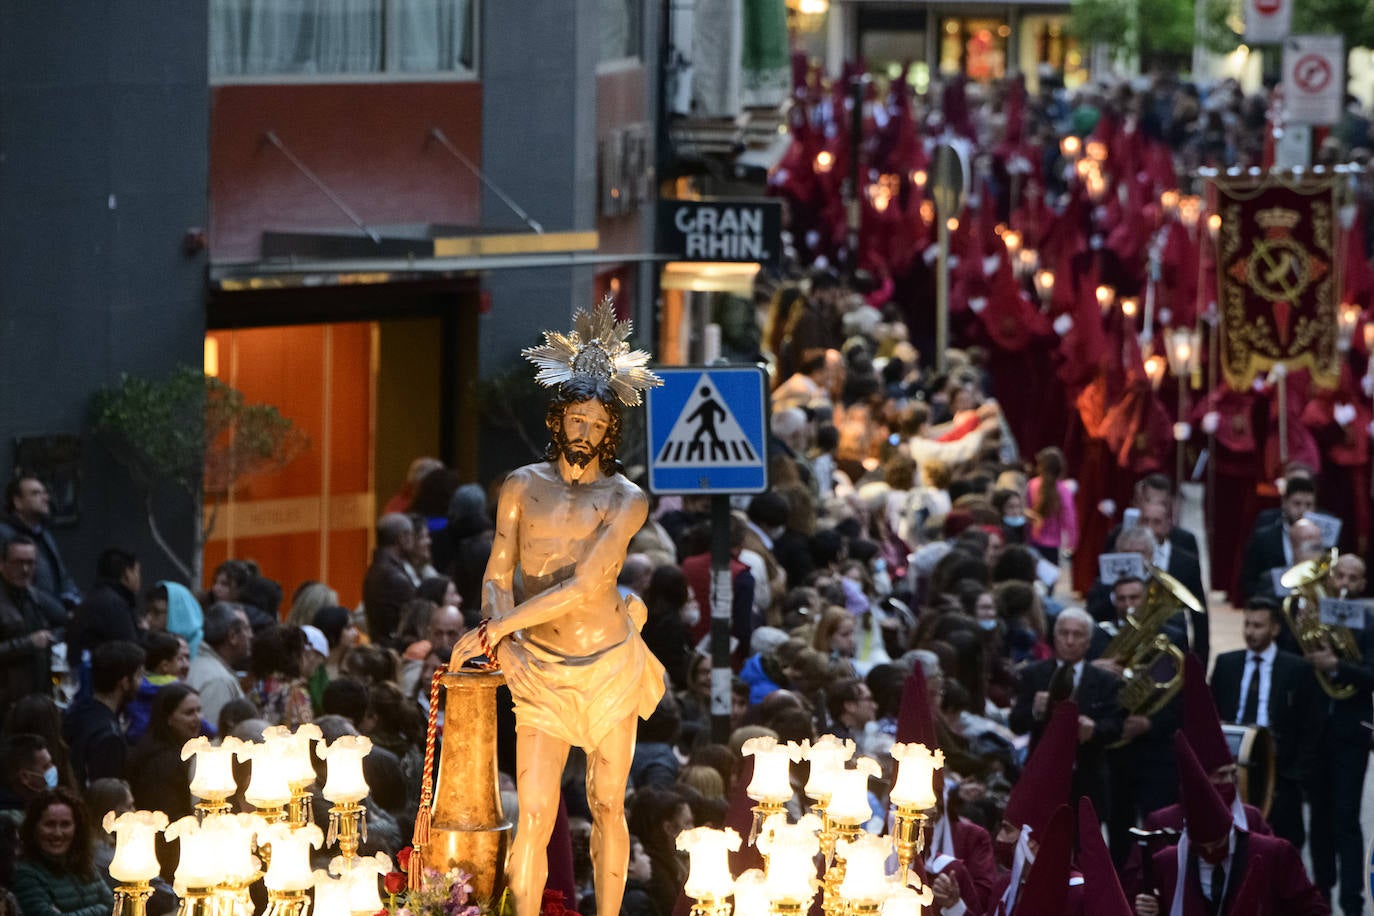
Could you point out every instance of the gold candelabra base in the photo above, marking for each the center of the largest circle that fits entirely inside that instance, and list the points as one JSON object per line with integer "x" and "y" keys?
{"x": 202, "y": 901}
{"x": 853, "y": 908}
{"x": 347, "y": 827}
{"x": 287, "y": 903}
{"x": 787, "y": 908}
{"x": 300, "y": 812}
{"x": 132, "y": 899}
{"x": 832, "y": 903}
{"x": 710, "y": 906}
{"x": 208, "y": 806}
{"x": 908, "y": 836}
{"x": 763, "y": 811}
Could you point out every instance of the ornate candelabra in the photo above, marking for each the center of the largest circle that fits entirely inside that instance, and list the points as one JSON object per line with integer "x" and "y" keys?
{"x": 345, "y": 788}
{"x": 300, "y": 771}
{"x": 846, "y": 814}
{"x": 771, "y": 786}
{"x": 213, "y": 772}
{"x": 135, "y": 863}
{"x": 865, "y": 885}
{"x": 288, "y": 874}
{"x": 790, "y": 849}
{"x": 913, "y": 794}
{"x": 708, "y": 879}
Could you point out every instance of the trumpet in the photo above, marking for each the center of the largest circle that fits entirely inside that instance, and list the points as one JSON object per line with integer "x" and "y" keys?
{"x": 1152, "y": 665}
{"x": 1307, "y": 583}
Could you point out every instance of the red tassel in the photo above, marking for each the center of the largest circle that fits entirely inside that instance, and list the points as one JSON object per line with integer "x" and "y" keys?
{"x": 415, "y": 877}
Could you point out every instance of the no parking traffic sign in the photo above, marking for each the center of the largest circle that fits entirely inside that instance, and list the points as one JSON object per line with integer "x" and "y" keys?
{"x": 1313, "y": 79}
{"x": 708, "y": 431}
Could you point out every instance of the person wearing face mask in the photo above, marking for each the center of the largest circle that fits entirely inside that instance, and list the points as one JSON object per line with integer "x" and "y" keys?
{"x": 1202, "y": 726}
{"x": 56, "y": 875}
{"x": 26, "y": 769}
{"x": 1012, "y": 507}
{"x": 1221, "y": 869}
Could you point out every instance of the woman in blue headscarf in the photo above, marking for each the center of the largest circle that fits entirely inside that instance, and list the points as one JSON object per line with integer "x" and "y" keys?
{"x": 184, "y": 615}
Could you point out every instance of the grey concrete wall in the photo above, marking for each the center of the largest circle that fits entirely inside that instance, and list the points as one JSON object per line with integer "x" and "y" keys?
{"x": 103, "y": 127}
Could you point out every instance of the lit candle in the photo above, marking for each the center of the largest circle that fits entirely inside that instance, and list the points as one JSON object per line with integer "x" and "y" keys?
{"x": 791, "y": 849}
{"x": 213, "y": 778}
{"x": 1044, "y": 282}
{"x": 952, "y": 223}
{"x": 708, "y": 875}
{"x": 904, "y": 901}
{"x": 269, "y": 786}
{"x": 345, "y": 783}
{"x": 289, "y": 869}
{"x": 1346, "y": 320}
{"x": 772, "y": 777}
{"x": 865, "y": 877}
{"x": 1070, "y": 146}
{"x": 1097, "y": 151}
{"x": 1369, "y": 343}
{"x": 916, "y": 768}
{"x": 1012, "y": 239}
{"x": 918, "y": 177}
{"x": 1214, "y": 224}
{"x": 135, "y": 855}
{"x": 1189, "y": 209}
{"x": 200, "y": 863}
{"x": 825, "y": 161}
{"x": 827, "y": 757}
{"x": 751, "y": 893}
{"x": 1027, "y": 259}
{"x": 1154, "y": 368}
{"x": 1130, "y": 306}
{"x": 849, "y": 803}
{"x": 1105, "y": 295}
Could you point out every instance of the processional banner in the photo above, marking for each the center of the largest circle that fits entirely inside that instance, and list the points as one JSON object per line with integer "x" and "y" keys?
{"x": 1278, "y": 263}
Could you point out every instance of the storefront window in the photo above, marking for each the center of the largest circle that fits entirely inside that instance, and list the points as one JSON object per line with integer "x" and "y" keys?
{"x": 976, "y": 47}
{"x": 338, "y": 37}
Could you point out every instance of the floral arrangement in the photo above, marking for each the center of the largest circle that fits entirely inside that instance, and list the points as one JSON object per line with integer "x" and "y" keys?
{"x": 449, "y": 893}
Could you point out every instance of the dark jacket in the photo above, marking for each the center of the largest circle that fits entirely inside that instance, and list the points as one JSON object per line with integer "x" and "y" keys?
{"x": 98, "y": 748}
{"x": 109, "y": 612}
{"x": 385, "y": 588}
{"x": 24, "y": 667}
{"x": 1263, "y": 552}
{"x": 1297, "y": 707}
{"x": 44, "y": 891}
{"x": 50, "y": 576}
{"x": 161, "y": 781}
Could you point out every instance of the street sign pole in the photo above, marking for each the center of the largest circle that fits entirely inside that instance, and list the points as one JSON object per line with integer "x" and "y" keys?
{"x": 942, "y": 295}
{"x": 947, "y": 191}
{"x": 722, "y": 602}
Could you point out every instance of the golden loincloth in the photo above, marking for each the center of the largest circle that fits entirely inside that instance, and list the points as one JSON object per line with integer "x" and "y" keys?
{"x": 580, "y": 699}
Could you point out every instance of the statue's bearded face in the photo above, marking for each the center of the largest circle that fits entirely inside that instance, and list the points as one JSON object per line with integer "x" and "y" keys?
{"x": 582, "y": 432}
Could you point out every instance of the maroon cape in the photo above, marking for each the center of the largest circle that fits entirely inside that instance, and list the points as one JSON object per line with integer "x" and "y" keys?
{"x": 1267, "y": 878}
{"x": 1171, "y": 818}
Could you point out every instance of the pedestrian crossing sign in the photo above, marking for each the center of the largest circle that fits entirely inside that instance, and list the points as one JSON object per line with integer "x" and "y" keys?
{"x": 708, "y": 431}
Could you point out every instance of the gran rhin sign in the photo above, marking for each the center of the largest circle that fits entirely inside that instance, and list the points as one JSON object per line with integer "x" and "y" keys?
{"x": 721, "y": 230}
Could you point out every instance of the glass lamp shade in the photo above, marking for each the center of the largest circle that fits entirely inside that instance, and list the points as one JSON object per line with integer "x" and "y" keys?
{"x": 213, "y": 777}
{"x": 135, "y": 855}
{"x": 361, "y": 875}
{"x": 708, "y": 876}
{"x": 751, "y": 893}
{"x": 791, "y": 849}
{"x": 916, "y": 766}
{"x": 827, "y": 757}
{"x": 289, "y": 869}
{"x": 345, "y": 783}
{"x": 849, "y": 802}
{"x": 201, "y": 862}
{"x": 331, "y": 894}
{"x": 296, "y": 749}
{"x": 235, "y": 845}
{"x": 907, "y": 901}
{"x": 269, "y": 785}
{"x": 865, "y": 875}
{"x": 772, "y": 777}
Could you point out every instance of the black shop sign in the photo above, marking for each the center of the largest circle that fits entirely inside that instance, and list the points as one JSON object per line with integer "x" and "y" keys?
{"x": 721, "y": 230}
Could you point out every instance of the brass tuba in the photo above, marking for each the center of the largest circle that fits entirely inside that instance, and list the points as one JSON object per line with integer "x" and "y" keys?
{"x": 1152, "y": 666}
{"x": 1307, "y": 580}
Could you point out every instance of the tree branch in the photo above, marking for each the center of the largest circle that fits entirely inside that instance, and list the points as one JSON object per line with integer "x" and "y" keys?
{"x": 161, "y": 542}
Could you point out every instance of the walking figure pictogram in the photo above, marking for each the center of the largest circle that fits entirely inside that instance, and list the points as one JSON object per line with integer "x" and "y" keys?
{"x": 706, "y": 413}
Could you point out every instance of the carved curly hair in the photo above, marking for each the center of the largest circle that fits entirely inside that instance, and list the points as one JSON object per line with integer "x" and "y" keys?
{"x": 575, "y": 391}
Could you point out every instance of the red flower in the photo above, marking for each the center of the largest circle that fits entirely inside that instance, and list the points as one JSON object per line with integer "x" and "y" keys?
{"x": 394, "y": 882}
{"x": 403, "y": 858}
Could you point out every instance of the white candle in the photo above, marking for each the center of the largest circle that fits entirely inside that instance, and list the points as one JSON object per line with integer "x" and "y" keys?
{"x": 865, "y": 876}
{"x": 849, "y": 803}
{"x": 289, "y": 869}
{"x": 827, "y": 757}
{"x": 135, "y": 855}
{"x": 213, "y": 778}
{"x": 345, "y": 783}
{"x": 200, "y": 863}
{"x": 915, "y": 775}
{"x": 904, "y": 901}
{"x": 708, "y": 876}
{"x": 772, "y": 776}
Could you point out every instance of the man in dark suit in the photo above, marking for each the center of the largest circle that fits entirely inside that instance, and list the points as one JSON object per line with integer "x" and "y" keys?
{"x": 1271, "y": 545}
{"x": 1069, "y": 675}
{"x": 1183, "y": 565}
{"x": 1155, "y": 488}
{"x": 1263, "y": 685}
{"x": 1340, "y": 757}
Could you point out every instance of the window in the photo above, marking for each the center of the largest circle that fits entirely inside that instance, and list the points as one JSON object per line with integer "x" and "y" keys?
{"x": 335, "y": 37}
{"x": 621, "y": 26}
